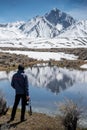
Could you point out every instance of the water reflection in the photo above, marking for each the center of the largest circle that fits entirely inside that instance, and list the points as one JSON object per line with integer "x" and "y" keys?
{"x": 55, "y": 79}
{"x": 49, "y": 85}
{"x": 57, "y": 85}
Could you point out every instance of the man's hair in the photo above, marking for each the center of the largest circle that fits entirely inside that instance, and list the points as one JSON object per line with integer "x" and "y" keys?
{"x": 20, "y": 67}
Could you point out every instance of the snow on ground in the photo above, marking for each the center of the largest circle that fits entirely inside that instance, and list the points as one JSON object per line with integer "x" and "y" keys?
{"x": 84, "y": 66}
{"x": 44, "y": 55}
{"x": 3, "y": 74}
{"x": 60, "y": 42}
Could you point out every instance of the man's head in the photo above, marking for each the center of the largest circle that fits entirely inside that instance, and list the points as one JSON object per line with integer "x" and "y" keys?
{"x": 21, "y": 67}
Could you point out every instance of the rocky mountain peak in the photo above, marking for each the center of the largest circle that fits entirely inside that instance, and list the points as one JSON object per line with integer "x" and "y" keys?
{"x": 56, "y": 16}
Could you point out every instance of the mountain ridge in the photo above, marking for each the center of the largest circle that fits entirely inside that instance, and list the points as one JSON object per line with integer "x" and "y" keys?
{"x": 47, "y": 26}
{"x": 53, "y": 30}
{"x": 52, "y": 22}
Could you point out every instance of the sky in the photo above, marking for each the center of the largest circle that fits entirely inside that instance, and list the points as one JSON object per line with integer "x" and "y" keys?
{"x": 23, "y": 10}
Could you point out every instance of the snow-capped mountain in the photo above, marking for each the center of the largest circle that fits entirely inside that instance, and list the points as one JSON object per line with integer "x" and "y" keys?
{"x": 59, "y": 19}
{"x": 11, "y": 30}
{"x": 79, "y": 29}
{"x": 48, "y": 25}
{"x": 17, "y": 24}
{"x": 54, "y": 29}
{"x": 39, "y": 27}
{"x": 74, "y": 36}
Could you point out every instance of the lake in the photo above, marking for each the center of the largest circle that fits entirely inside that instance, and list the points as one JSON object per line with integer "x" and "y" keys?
{"x": 49, "y": 86}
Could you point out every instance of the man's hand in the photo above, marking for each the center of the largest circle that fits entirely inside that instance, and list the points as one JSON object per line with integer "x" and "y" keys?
{"x": 27, "y": 98}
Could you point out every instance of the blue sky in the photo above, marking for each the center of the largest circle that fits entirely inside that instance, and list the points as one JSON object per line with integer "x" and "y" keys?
{"x": 16, "y": 10}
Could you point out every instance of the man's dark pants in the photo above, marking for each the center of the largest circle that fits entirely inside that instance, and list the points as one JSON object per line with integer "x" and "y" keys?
{"x": 23, "y": 105}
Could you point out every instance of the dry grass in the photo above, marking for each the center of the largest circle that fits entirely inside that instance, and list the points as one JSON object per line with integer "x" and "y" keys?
{"x": 37, "y": 121}
{"x": 11, "y": 61}
{"x": 68, "y": 63}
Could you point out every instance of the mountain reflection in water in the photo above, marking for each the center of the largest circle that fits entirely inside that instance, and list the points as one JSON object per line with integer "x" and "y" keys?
{"x": 48, "y": 85}
{"x": 52, "y": 78}
{"x": 57, "y": 85}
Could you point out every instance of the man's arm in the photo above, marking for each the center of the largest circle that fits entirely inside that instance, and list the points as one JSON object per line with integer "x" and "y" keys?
{"x": 12, "y": 82}
{"x": 26, "y": 86}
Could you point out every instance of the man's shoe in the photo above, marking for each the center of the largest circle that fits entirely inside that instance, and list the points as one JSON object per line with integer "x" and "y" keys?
{"x": 10, "y": 120}
{"x": 22, "y": 120}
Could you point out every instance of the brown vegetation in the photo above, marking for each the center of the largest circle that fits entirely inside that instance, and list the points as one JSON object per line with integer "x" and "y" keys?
{"x": 71, "y": 113}
{"x": 37, "y": 121}
{"x": 10, "y": 61}
{"x": 3, "y": 105}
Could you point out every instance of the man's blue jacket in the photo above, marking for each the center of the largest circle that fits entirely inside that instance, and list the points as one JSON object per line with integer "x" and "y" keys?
{"x": 20, "y": 83}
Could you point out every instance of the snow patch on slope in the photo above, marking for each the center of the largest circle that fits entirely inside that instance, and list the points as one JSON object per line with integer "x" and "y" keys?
{"x": 44, "y": 55}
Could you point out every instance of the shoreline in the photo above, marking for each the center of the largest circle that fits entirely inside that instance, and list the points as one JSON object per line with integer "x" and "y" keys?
{"x": 10, "y": 61}
{"x": 37, "y": 121}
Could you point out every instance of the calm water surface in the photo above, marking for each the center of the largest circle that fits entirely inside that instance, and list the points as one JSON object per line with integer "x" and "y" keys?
{"x": 49, "y": 86}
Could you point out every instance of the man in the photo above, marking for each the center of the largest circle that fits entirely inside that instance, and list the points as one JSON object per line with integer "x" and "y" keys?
{"x": 20, "y": 84}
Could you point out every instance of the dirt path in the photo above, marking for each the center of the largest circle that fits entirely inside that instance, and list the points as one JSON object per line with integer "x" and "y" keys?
{"x": 37, "y": 121}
